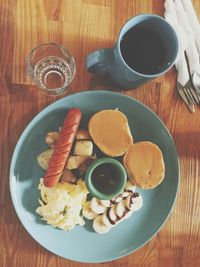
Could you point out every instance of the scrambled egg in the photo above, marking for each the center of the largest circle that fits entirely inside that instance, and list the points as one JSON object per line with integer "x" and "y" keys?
{"x": 61, "y": 205}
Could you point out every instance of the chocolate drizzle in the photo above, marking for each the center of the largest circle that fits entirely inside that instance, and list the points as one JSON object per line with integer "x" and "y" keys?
{"x": 115, "y": 200}
{"x": 112, "y": 202}
{"x": 108, "y": 216}
{"x": 127, "y": 208}
{"x": 135, "y": 194}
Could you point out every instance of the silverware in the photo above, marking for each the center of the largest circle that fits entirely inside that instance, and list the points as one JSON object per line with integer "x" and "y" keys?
{"x": 191, "y": 53}
{"x": 186, "y": 95}
{"x": 187, "y": 64}
{"x": 185, "y": 84}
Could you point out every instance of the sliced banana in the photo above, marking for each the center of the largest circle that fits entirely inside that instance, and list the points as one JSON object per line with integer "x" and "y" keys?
{"x": 106, "y": 221}
{"x": 129, "y": 202}
{"x": 128, "y": 214}
{"x": 99, "y": 226}
{"x": 130, "y": 187}
{"x": 108, "y": 213}
{"x": 105, "y": 203}
{"x": 137, "y": 203}
{"x": 125, "y": 194}
{"x": 96, "y": 206}
{"x": 118, "y": 198}
{"x": 120, "y": 208}
{"x": 87, "y": 212}
{"x": 112, "y": 214}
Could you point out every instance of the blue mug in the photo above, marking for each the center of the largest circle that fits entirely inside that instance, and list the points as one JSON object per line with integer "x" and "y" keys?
{"x": 115, "y": 61}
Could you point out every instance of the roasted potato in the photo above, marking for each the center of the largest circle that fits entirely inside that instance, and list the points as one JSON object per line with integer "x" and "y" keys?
{"x": 51, "y": 138}
{"x": 44, "y": 157}
{"x": 83, "y": 135}
{"x": 83, "y": 148}
{"x": 74, "y": 162}
{"x": 68, "y": 177}
{"x": 85, "y": 165}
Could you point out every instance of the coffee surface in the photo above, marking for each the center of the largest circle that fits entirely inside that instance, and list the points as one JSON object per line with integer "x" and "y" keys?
{"x": 143, "y": 50}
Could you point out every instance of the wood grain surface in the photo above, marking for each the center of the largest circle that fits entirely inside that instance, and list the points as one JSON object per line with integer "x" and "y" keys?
{"x": 83, "y": 26}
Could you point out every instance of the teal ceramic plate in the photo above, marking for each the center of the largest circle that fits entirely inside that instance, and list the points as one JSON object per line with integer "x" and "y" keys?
{"x": 82, "y": 244}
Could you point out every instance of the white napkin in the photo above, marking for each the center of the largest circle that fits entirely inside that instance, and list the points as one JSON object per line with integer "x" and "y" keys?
{"x": 181, "y": 64}
{"x": 193, "y": 20}
{"x": 191, "y": 49}
{"x": 177, "y": 17}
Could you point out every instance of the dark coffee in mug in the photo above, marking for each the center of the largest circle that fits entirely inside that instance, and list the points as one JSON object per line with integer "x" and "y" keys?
{"x": 143, "y": 50}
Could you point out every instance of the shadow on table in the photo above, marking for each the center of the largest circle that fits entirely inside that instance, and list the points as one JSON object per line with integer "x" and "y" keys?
{"x": 188, "y": 143}
{"x": 102, "y": 82}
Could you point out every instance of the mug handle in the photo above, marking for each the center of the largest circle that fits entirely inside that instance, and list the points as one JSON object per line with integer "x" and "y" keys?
{"x": 100, "y": 61}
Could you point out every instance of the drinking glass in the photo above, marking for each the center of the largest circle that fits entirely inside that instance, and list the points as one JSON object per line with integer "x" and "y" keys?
{"x": 51, "y": 67}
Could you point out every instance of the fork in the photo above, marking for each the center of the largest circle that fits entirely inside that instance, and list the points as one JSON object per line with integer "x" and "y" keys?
{"x": 191, "y": 90}
{"x": 188, "y": 94}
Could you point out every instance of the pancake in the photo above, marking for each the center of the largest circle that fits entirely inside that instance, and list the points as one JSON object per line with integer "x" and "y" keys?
{"x": 110, "y": 131}
{"x": 145, "y": 165}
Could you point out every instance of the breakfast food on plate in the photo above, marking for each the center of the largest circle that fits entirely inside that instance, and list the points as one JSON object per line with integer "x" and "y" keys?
{"x": 68, "y": 176}
{"x": 62, "y": 147}
{"x": 117, "y": 213}
{"x": 83, "y": 148}
{"x": 82, "y": 135}
{"x": 51, "y": 139}
{"x": 107, "y": 213}
{"x": 96, "y": 206}
{"x": 61, "y": 205}
{"x": 74, "y": 162}
{"x": 145, "y": 164}
{"x": 110, "y": 131}
{"x": 82, "y": 168}
{"x": 44, "y": 158}
{"x": 63, "y": 201}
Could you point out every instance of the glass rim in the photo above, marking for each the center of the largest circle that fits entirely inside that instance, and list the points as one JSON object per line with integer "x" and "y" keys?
{"x": 46, "y": 44}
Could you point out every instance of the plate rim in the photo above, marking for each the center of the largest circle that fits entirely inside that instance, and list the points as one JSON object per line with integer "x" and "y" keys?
{"x": 20, "y": 142}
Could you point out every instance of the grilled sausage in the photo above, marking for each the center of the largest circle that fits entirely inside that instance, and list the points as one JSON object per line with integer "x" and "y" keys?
{"x": 62, "y": 147}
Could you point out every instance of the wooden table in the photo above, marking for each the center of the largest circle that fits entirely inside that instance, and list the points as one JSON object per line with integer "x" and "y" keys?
{"x": 83, "y": 26}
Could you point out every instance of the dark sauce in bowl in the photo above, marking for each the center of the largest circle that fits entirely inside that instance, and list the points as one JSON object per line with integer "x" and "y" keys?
{"x": 105, "y": 178}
